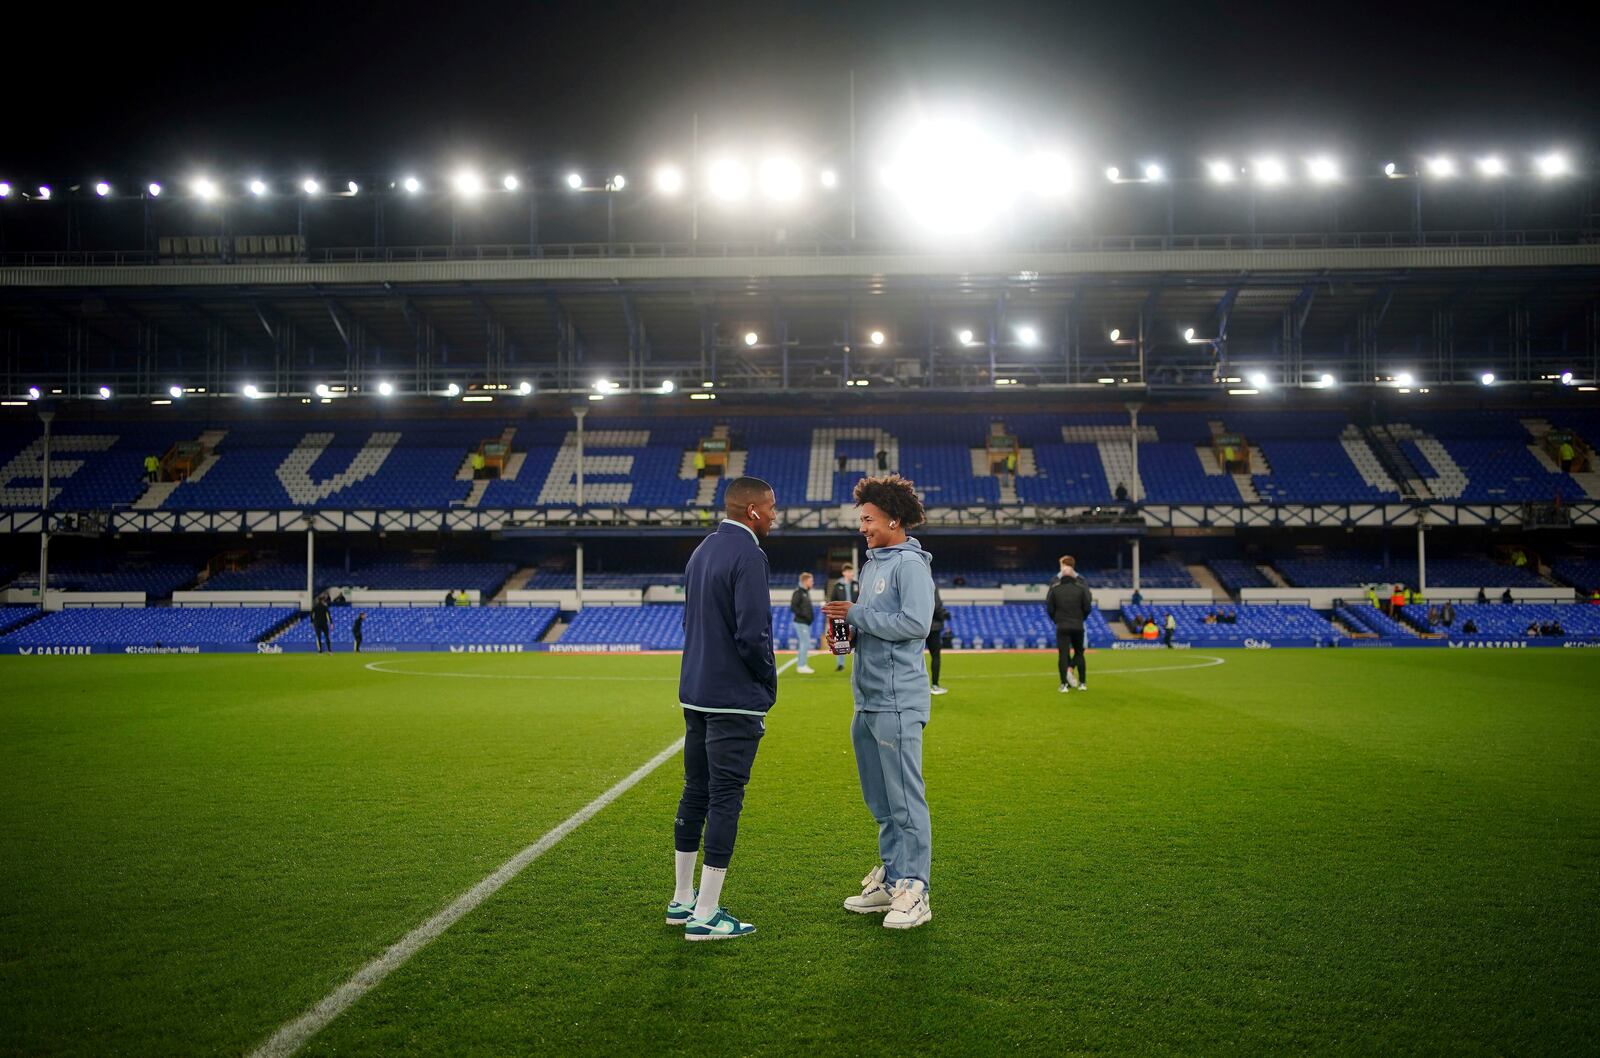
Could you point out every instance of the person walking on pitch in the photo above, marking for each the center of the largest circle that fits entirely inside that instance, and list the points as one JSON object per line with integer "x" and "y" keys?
{"x": 727, "y": 683}
{"x": 890, "y": 686}
{"x": 1069, "y": 604}
{"x": 801, "y": 609}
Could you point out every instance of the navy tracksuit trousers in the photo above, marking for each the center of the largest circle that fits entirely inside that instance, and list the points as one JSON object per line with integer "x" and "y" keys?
{"x": 718, "y": 752}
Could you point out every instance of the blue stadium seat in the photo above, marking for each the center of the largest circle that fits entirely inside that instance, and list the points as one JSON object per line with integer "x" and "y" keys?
{"x": 439, "y": 625}
{"x": 151, "y": 626}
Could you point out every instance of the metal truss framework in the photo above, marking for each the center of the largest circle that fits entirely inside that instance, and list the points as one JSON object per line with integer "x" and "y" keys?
{"x": 602, "y": 521}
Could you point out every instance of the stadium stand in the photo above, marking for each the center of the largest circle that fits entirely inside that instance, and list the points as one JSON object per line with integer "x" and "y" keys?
{"x": 93, "y": 467}
{"x": 1581, "y": 572}
{"x": 150, "y": 626}
{"x": 1365, "y": 618}
{"x": 1497, "y": 621}
{"x": 11, "y": 616}
{"x": 1017, "y": 626}
{"x": 657, "y": 627}
{"x": 1236, "y": 573}
{"x": 1161, "y": 573}
{"x": 157, "y": 580}
{"x": 1259, "y": 621}
{"x": 486, "y": 577}
{"x": 1479, "y": 457}
{"x": 437, "y": 625}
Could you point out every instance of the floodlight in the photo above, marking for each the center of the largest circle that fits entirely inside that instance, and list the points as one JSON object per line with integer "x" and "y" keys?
{"x": 5, "y": 190}
{"x": 1493, "y": 165}
{"x": 204, "y": 188}
{"x": 669, "y": 180}
{"x": 311, "y": 187}
{"x": 668, "y": 386}
{"x": 452, "y": 390}
{"x": 411, "y": 184}
{"x": 618, "y": 182}
{"x": 176, "y": 391}
{"x": 1443, "y": 166}
{"x": 1487, "y": 378}
{"x": 1553, "y": 164}
{"x": 322, "y": 390}
{"x": 1257, "y": 379}
{"x": 510, "y": 182}
{"x": 105, "y": 392}
{"x": 385, "y": 389}
{"x": 1220, "y": 171}
{"x": 1322, "y": 169}
{"x": 1327, "y": 381}
{"x": 1113, "y": 173}
{"x": 1270, "y": 171}
{"x": 155, "y": 190}
{"x": 951, "y": 177}
{"x": 1188, "y": 334}
{"x": 102, "y": 189}
{"x": 258, "y": 187}
{"x": 1048, "y": 174}
{"x": 1153, "y": 173}
{"x": 1115, "y": 335}
{"x": 352, "y": 187}
{"x": 1027, "y": 335}
{"x": 829, "y": 178}
{"x": 44, "y": 191}
{"x": 1405, "y": 378}
{"x": 575, "y": 181}
{"x": 751, "y": 338}
{"x": 780, "y": 179}
{"x": 33, "y": 392}
{"x": 1389, "y": 169}
{"x": 525, "y": 388}
{"x": 728, "y": 180}
{"x": 467, "y": 183}
{"x": 1566, "y": 378}
{"x": 965, "y": 337}
{"x": 251, "y": 391}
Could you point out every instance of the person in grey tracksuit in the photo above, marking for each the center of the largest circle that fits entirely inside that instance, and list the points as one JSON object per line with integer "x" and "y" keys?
{"x": 890, "y": 681}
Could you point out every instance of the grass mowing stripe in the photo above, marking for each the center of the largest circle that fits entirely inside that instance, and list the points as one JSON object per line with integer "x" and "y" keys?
{"x": 291, "y": 1037}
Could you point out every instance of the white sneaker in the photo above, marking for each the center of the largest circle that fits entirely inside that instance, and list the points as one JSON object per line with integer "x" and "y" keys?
{"x": 936, "y": 689}
{"x": 910, "y": 907}
{"x": 875, "y": 896}
{"x": 1064, "y": 688}
{"x": 1072, "y": 677}
{"x": 805, "y": 670}
{"x": 1083, "y": 686}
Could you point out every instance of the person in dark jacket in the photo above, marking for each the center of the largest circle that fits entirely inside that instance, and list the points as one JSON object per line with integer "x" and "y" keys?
{"x": 321, "y": 624}
{"x": 727, "y": 683}
{"x": 801, "y": 609}
{"x": 845, "y": 589}
{"x": 355, "y": 629}
{"x": 1069, "y": 604}
{"x": 935, "y": 635}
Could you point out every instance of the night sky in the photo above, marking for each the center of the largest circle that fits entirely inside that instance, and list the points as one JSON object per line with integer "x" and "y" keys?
{"x": 142, "y": 91}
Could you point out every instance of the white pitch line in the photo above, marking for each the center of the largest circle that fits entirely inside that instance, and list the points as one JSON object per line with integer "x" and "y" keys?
{"x": 377, "y": 666}
{"x": 1211, "y": 662}
{"x": 291, "y": 1037}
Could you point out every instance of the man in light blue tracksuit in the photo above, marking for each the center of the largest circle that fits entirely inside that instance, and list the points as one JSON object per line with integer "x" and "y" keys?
{"x": 890, "y": 682}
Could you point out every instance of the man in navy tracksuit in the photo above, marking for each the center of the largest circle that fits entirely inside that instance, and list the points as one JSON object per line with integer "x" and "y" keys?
{"x": 728, "y": 682}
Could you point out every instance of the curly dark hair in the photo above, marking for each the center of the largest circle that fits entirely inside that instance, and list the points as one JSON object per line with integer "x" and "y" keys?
{"x": 893, "y": 495}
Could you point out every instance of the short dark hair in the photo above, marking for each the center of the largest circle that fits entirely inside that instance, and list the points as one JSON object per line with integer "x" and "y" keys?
{"x": 744, "y": 491}
{"x": 893, "y": 495}
{"x": 846, "y": 566}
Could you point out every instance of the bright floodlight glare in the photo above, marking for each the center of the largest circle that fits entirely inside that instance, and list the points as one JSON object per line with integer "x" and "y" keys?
{"x": 1027, "y": 335}
{"x": 1566, "y": 378}
{"x": 452, "y": 390}
{"x": 728, "y": 180}
{"x": 102, "y": 189}
{"x": 1220, "y": 171}
{"x": 1405, "y": 379}
{"x": 33, "y": 392}
{"x": 876, "y": 337}
{"x": 669, "y": 180}
{"x": 603, "y": 385}
{"x": 44, "y": 191}
{"x": 1153, "y": 173}
{"x": 1258, "y": 379}
{"x": 251, "y": 391}
{"x": 1326, "y": 381}
{"x": 950, "y": 177}
{"x": 668, "y": 386}
{"x": 385, "y": 389}
{"x": 310, "y": 186}
{"x": 780, "y": 179}
{"x": 155, "y": 190}
{"x": 1113, "y": 173}
{"x": 1116, "y": 334}
{"x": 176, "y": 391}
{"x": 965, "y": 337}
{"x": 411, "y": 184}
{"x": 1442, "y": 166}
{"x": 1388, "y": 168}
{"x": 322, "y": 390}
{"x": 5, "y": 189}
{"x": 468, "y": 183}
{"x": 1322, "y": 170}
{"x": 525, "y": 388}
{"x": 1493, "y": 165}
{"x": 510, "y": 182}
{"x": 352, "y": 187}
{"x": 258, "y": 187}
{"x": 204, "y": 188}
{"x": 1270, "y": 171}
{"x": 1048, "y": 174}
{"x": 1487, "y": 378}
{"x": 1188, "y": 334}
{"x": 105, "y": 392}
{"x": 751, "y": 338}
{"x": 618, "y": 182}
{"x": 1553, "y": 164}
{"x": 829, "y": 178}
{"x": 575, "y": 181}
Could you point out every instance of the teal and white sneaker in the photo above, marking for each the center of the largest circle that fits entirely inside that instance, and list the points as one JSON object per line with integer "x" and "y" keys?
{"x": 680, "y": 914}
{"x": 720, "y": 926}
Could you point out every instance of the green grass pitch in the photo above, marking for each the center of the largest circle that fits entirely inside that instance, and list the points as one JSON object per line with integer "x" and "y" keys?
{"x": 1291, "y": 852}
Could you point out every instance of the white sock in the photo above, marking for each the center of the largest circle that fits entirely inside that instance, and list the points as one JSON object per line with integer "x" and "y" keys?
{"x": 711, "y": 879}
{"x": 684, "y": 863}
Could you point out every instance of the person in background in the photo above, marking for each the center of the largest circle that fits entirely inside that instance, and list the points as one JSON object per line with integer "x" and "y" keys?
{"x": 1397, "y": 600}
{"x": 1505, "y": 597}
{"x": 1011, "y": 467}
{"x": 844, "y": 463}
{"x": 845, "y": 589}
{"x": 935, "y": 637}
{"x": 1172, "y": 627}
{"x": 1069, "y": 604}
{"x": 1556, "y": 629}
{"x": 478, "y": 465}
{"x": 801, "y": 610}
{"x": 1150, "y": 631}
{"x": 883, "y": 459}
{"x": 355, "y": 629}
{"x": 1447, "y": 614}
{"x": 152, "y": 468}
{"x": 1433, "y": 616}
{"x": 462, "y": 598}
{"x": 1121, "y": 493}
{"x": 1469, "y": 628}
{"x": 1136, "y": 599}
{"x": 1568, "y": 454}
{"x": 321, "y": 623}
{"x": 1594, "y": 597}
{"x": 1533, "y": 629}
{"x": 699, "y": 464}
{"x": 1372, "y": 596}
{"x": 1482, "y": 597}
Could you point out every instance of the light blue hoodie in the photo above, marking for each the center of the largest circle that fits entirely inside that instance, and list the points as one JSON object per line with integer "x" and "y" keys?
{"x": 891, "y": 622}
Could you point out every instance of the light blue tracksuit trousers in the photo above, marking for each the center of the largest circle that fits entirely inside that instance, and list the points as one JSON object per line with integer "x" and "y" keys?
{"x": 802, "y": 632}
{"x": 889, "y": 758}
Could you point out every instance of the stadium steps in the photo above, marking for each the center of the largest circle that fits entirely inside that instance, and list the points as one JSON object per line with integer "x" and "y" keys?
{"x": 516, "y": 582}
{"x": 156, "y": 493}
{"x": 283, "y": 627}
{"x": 1116, "y": 459}
{"x": 475, "y": 494}
{"x": 1385, "y": 445}
{"x": 1366, "y": 460}
{"x": 1208, "y": 461}
{"x": 1119, "y": 629}
{"x": 1273, "y": 575}
{"x": 553, "y": 633}
{"x": 1203, "y": 577}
